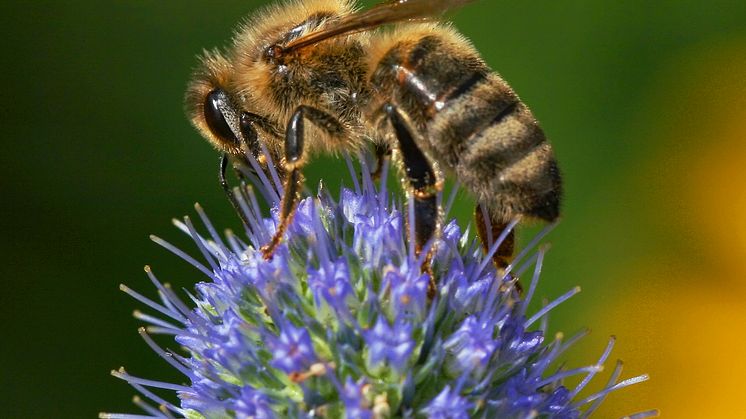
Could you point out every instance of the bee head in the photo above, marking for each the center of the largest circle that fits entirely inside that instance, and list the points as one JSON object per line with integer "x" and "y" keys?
{"x": 215, "y": 111}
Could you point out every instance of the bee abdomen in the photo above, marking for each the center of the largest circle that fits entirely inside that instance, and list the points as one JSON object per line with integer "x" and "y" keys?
{"x": 504, "y": 158}
{"x": 498, "y": 151}
{"x": 473, "y": 124}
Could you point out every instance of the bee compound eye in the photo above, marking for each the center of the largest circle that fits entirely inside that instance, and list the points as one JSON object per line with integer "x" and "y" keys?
{"x": 216, "y": 106}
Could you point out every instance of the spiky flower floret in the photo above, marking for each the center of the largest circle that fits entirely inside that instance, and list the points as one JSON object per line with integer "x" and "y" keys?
{"x": 341, "y": 322}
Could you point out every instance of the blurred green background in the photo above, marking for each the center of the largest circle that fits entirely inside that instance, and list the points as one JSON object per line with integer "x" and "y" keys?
{"x": 645, "y": 102}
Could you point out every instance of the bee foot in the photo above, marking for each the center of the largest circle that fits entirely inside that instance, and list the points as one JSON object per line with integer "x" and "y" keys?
{"x": 267, "y": 251}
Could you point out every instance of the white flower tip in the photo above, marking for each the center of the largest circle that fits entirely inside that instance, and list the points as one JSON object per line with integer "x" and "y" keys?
{"x": 147, "y": 267}
{"x": 318, "y": 369}
{"x": 639, "y": 379}
{"x": 653, "y": 413}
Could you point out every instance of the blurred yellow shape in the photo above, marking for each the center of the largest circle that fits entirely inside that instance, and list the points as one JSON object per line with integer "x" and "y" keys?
{"x": 681, "y": 315}
{"x": 691, "y": 342}
{"x": 697, "y": 181}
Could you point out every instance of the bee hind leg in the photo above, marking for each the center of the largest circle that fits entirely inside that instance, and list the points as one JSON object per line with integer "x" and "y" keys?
{"x": 294, "y": 142}
{"x": 422, "y": 182}
{"x": 488, "y": 230}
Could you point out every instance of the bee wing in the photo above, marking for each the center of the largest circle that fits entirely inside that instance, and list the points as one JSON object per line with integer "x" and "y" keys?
{"x": 390, "y": 11}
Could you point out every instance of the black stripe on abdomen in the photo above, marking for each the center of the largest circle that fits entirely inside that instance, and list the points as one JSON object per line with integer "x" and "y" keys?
{"x": 465, "y": 85}
{"x": 431, "y": 74}
{"x": 470, "y": 111}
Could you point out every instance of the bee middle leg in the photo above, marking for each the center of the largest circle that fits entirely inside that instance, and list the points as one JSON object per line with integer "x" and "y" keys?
{"x": 294, "y": 141}
{"x": 421, "y": 180}
{"x": 383, "y": 152}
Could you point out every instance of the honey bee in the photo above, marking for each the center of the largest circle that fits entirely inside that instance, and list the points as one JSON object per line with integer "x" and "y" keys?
{"x": 323, "y": 76}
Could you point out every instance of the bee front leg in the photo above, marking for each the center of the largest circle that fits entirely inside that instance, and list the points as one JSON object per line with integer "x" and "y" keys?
{"x": 421, "y": 181}
{"x": 229, "y": 192}
{"x": 294, "y": 142}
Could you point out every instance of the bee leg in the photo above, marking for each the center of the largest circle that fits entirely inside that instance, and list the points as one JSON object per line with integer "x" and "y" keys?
{"x": 294, "y": 140}
{"x": 421, "y": 181}
{"x": 383, "y": 152}
{"x": 229, "y": 192}
{"x": 489, "y": 230}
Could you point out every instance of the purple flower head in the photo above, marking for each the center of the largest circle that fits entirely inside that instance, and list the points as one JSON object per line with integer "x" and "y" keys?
{"x": 253, "y": 405}
{"x": 515, "y": 340}
{"x": 292, "y": 351}
{"x": 339, "y": 322}
{"x": 448, "y": 404}
{"x": 330, "y": 284}
{"x": 472, "y": 345}
{"x": 390, "y": 344}
{"x": 356, "y": 405}
{"x": 525, "y": 399}
{"x": 408, "y": 295}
